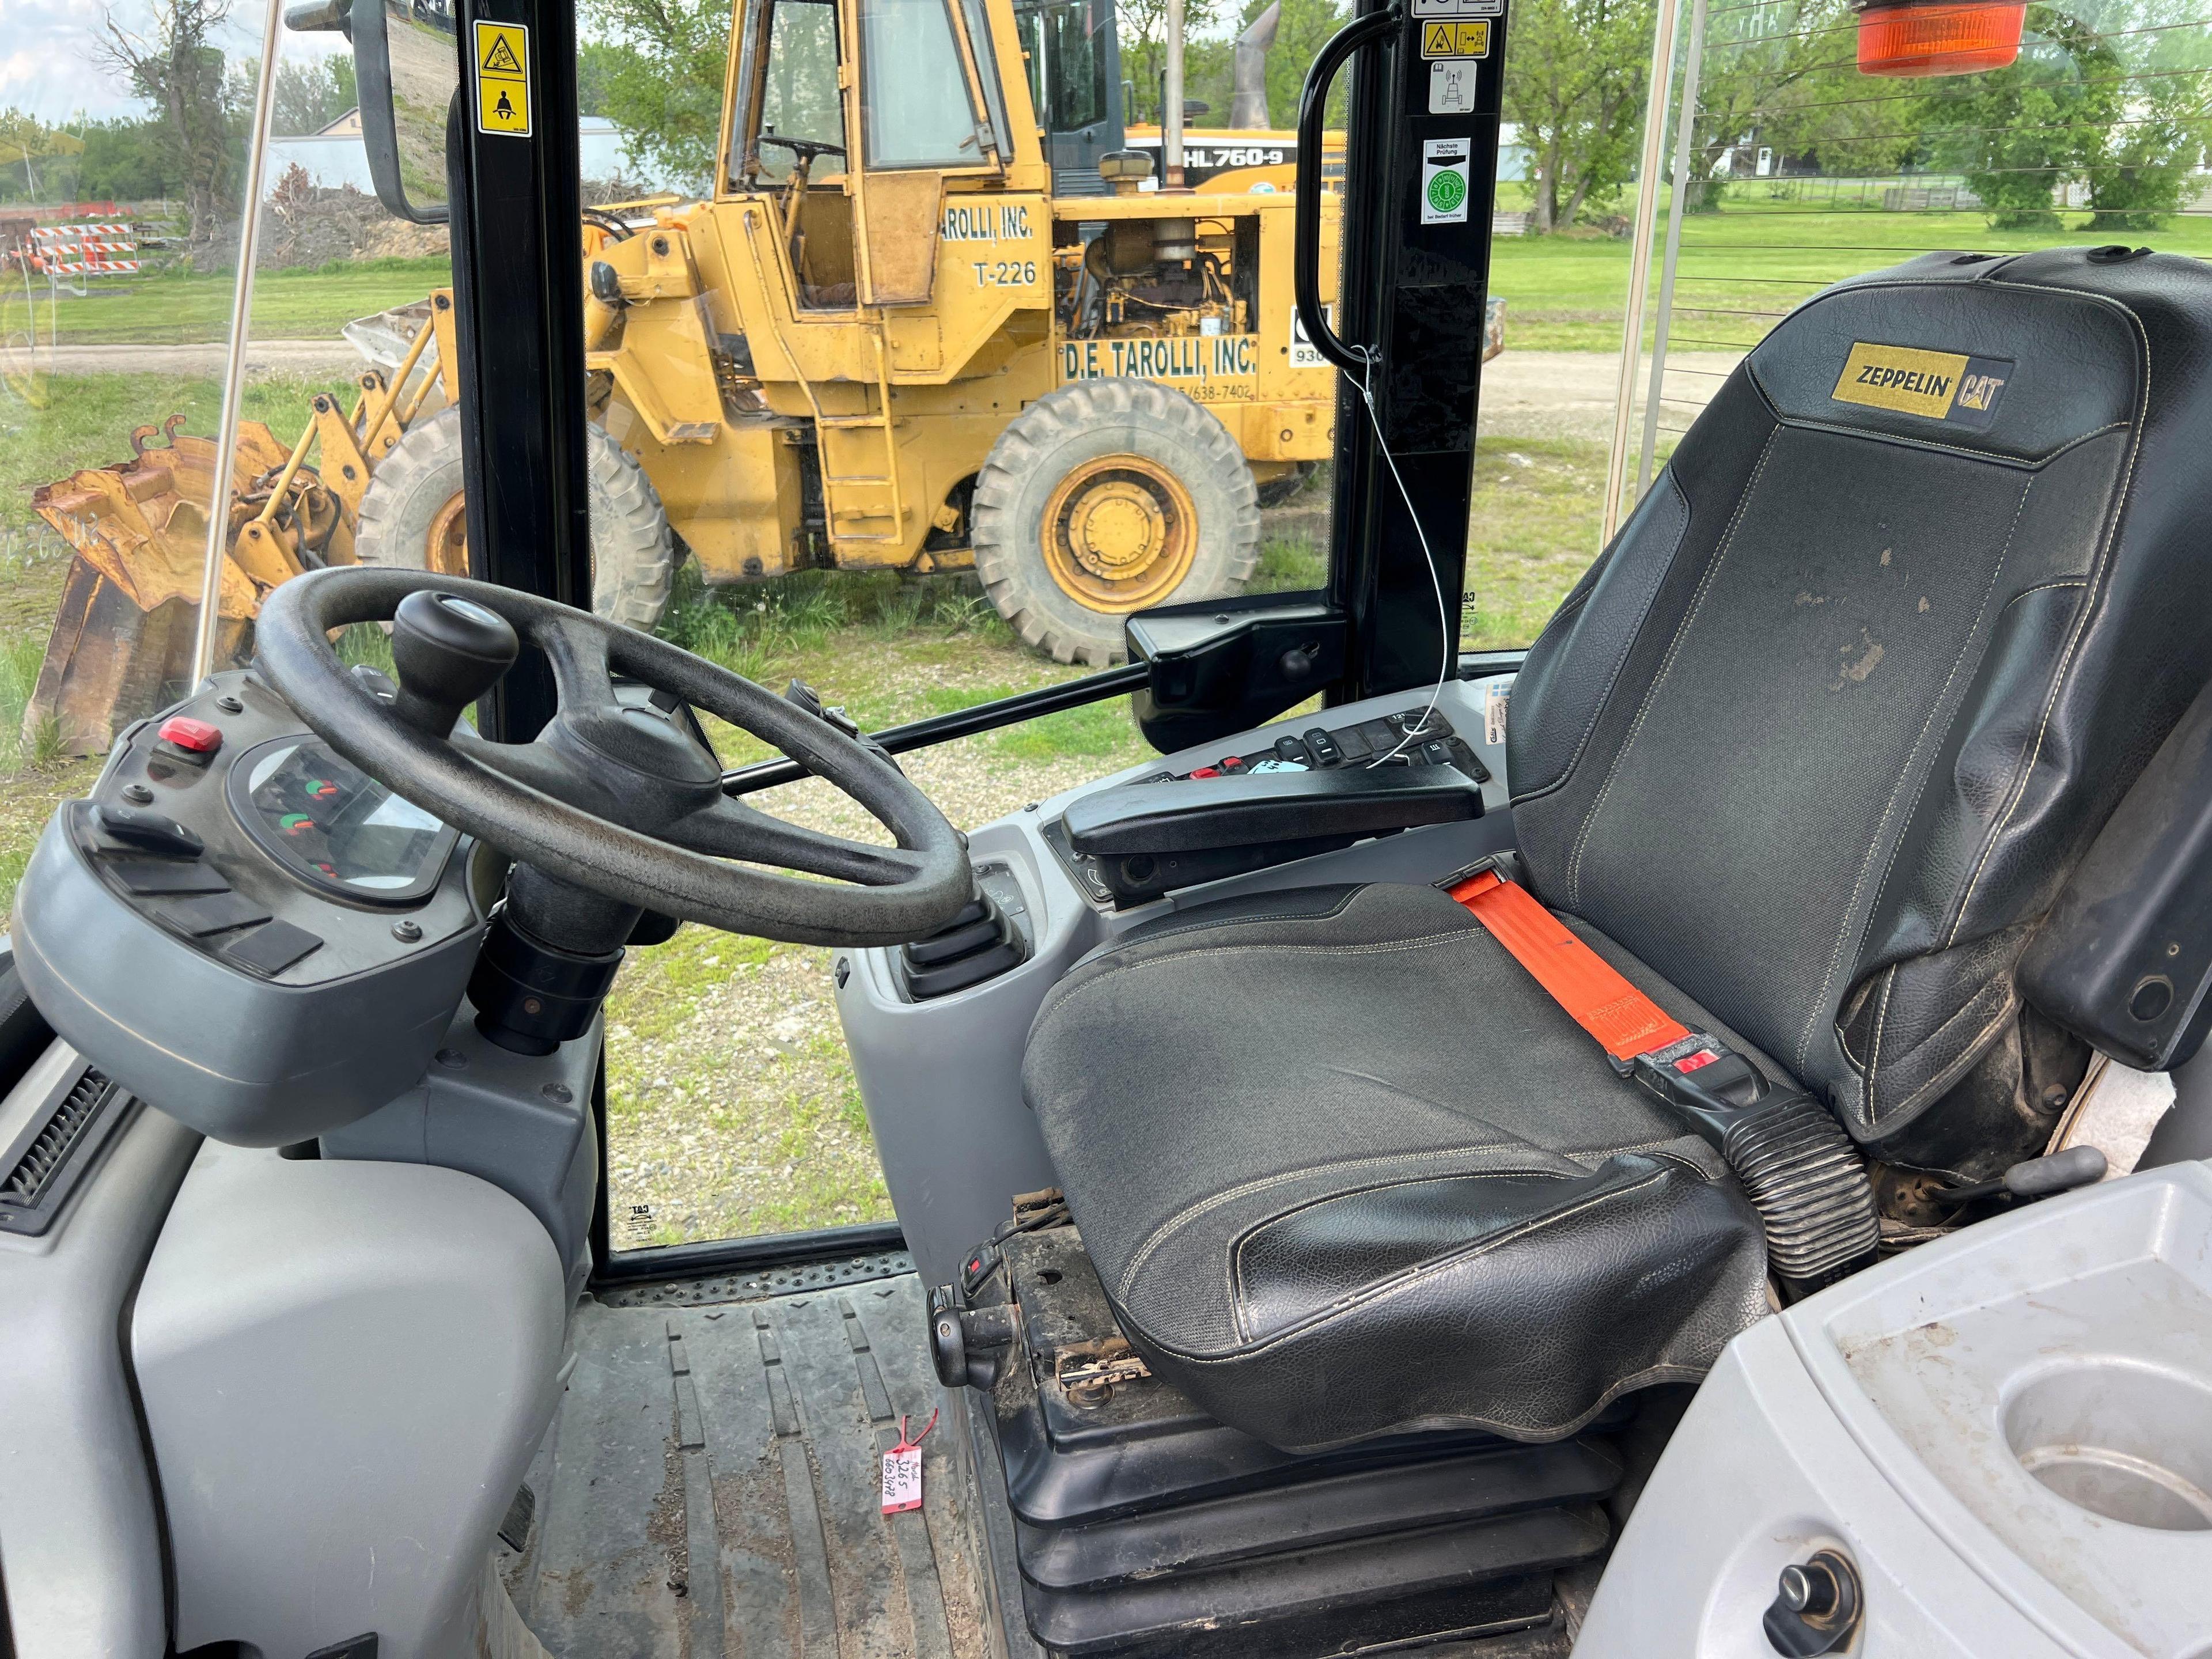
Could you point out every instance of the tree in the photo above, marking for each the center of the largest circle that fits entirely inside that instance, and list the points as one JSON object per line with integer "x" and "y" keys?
{"x": 128, "y": 160}
{"x": 36, "y": 160}
{"x": 310, "y": 95}
{"x": 1141, "y": 28}
{"x": 2018, "y": 133}
{"x": 1574, "y": 82}
{"x": 2138, "y": 168}
{"x": 656, "y": 72}
{"x": 173, "y": 68}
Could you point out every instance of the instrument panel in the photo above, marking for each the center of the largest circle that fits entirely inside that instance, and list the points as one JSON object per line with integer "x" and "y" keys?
{"x": 243, "y": 928}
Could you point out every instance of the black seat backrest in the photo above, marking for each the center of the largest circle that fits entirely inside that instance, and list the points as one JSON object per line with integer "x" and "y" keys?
{"x": 1822, "y": 733}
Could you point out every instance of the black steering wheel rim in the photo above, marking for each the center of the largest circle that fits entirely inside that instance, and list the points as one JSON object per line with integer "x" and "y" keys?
{"x": 809, "y": 147}
{"x": 879, "y": 896}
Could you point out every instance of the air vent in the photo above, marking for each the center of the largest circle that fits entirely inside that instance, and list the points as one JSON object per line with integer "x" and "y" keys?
{"x": 44, "y": 1164}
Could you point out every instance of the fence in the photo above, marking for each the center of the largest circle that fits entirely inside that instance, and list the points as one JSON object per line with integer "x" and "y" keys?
{"x": 2107, "y": 112}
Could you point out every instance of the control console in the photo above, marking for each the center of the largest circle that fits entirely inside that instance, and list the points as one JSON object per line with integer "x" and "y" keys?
{"x": 1363, "y": 743}
{"x": 1391, "y": 752}
{"x": 242, "y": 928}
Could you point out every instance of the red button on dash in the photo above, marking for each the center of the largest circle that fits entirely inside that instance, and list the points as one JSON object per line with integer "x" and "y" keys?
{"x": 195, "y": 736}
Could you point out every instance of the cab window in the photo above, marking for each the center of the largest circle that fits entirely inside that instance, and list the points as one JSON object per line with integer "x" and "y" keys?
{"x": 1068, "y": 75}
{"x": 798, "y": 89}
{"x": 913, "y": 118}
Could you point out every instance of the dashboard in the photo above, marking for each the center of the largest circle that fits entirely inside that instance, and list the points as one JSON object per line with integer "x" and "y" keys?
{"x": 243, "y": 928}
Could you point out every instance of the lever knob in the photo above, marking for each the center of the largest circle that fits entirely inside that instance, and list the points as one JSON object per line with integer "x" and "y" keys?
{"x": 1816, "y": 1608}
{"x": 449, "y": 651}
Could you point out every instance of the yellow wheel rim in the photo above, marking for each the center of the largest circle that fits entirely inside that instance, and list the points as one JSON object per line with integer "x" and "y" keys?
{"x": 449, "y": 538}
{"x": 1119, "y": 533}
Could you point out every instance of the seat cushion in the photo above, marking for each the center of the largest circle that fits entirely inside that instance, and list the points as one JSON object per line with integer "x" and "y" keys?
{"x": 1345, "y": 1171}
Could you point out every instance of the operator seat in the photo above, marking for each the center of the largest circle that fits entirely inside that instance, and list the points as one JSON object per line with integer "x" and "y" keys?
{"x": 1805, "y": 755}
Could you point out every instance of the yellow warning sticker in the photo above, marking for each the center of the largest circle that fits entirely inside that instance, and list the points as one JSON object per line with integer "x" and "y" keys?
{"x": 1456, "y": 40}
{"x": 502, "y": 63}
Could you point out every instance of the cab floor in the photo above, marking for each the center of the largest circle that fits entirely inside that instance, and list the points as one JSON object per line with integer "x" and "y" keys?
{"x": 710, "y": 1487}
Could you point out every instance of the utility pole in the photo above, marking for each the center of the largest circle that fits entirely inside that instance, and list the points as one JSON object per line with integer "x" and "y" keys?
{"x": 1171, "y": 105}
{"x": 1175, "y": 241}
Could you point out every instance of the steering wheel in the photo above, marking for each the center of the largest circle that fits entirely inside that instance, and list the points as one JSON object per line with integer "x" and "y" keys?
{"x": 805, "y": 148}
{"x": 610, "y": 797}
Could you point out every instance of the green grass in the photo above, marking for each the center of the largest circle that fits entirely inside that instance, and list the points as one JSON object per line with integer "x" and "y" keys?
{"x": 34, "y": 777}
{"x": 187, "y": 307}
{"x": 657, "y": 987}
{"x": 1762, "y": 252}
{"x": 1532, "y": 531}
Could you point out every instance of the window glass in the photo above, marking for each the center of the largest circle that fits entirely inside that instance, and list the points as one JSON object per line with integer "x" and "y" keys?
{"x": 913, "y": 90}
{"x": 799, "y": 97}
{"x": 127, "y": 201}
{"x": 732, "y": 1105}
{"x": 1792, "y": 169}
{"x": 987, "y": 66}
{"x": 1074, "y": 73}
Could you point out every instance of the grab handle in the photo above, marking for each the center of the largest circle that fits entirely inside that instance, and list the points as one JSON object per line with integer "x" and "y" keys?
{"x": 1305, "y": 251}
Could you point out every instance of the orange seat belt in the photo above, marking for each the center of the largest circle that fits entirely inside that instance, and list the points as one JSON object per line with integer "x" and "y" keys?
{"x": 1593, "y": 993}
{"x": 1792, "y": 1159}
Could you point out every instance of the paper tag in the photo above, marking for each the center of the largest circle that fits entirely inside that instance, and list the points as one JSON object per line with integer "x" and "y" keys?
{"x": 902, "y": 1480}
{"x": 1493, "y": 713}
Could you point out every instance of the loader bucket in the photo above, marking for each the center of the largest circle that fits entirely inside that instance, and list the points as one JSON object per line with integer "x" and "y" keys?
{"x": 122, "y": 641}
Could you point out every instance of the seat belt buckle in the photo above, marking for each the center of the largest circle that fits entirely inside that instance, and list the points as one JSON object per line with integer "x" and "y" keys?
{"x": 1704, "y": 1079}
{"x": 1505, "y": 865}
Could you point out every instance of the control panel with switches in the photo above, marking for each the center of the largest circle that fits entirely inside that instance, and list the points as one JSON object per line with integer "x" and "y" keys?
{"x": 1308, "y": 792}
{"x": 315, "y": 929}
{"x": 1383, "y": 740}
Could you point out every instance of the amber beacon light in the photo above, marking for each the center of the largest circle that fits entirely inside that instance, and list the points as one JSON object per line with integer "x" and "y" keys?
{"x": 1937, "y": 37}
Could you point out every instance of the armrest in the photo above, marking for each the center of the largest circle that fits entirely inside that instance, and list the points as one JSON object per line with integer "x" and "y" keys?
{"x": 1204, "y": 814}
{"x": 2124, "y": 958}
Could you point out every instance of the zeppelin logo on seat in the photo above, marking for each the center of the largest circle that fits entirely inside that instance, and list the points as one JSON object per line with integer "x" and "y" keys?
{"x": 1943, "y": 386}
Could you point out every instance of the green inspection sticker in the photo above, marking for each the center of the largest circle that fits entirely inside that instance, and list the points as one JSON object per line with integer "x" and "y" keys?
{"x": 1444, "y": 185}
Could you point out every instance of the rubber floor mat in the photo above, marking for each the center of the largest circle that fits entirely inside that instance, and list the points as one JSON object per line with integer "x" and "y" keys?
{"x": 711, "y": 1488}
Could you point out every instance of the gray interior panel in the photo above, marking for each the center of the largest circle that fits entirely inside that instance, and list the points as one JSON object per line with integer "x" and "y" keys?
{"x": 519, "y": 1122}
{"x": 80, "y": 1541}
{"x": 711, "y": 1486}
{"x": 256, "y": 1062}
{"x": 344, "y": 1368}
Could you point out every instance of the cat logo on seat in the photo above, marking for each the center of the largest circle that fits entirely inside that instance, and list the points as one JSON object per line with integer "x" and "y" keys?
{"x": 1942, "y": 385}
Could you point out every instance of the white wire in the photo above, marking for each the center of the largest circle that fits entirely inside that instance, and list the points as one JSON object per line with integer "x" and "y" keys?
{"x": 1443, "y": 620}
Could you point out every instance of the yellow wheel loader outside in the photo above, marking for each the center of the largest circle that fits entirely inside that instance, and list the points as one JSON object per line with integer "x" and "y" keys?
{"x": 883, "y": 341}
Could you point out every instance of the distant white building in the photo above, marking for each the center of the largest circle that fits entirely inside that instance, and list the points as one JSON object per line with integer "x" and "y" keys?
{"x": 336, "y": 156}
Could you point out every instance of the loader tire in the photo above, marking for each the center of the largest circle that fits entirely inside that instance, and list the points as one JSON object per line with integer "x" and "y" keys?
{"x": 411, "y": 519}
{"x": 1108, "y": 496}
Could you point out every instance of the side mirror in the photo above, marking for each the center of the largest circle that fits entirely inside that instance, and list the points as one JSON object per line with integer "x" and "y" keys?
{"x": 407, "y": 65}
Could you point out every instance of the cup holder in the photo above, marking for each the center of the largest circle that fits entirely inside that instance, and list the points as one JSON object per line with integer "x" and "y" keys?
{"x": 2121, "y": 1439}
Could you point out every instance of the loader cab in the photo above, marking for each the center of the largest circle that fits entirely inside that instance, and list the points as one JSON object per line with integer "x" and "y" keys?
{"x": 1073, "y": 56}
{"x": 847, "y": 116}
{"x": 1340, "y": 1135}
